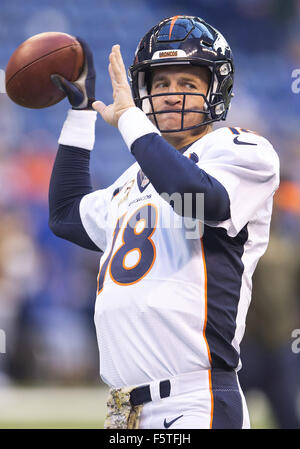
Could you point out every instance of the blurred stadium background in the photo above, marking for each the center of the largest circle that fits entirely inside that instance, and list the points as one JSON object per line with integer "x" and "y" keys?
{"x": 49, "y": 373}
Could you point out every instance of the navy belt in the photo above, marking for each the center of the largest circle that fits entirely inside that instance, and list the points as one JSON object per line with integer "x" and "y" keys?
{"x": 220, "y": 380}
{"x": 141, "y": 395}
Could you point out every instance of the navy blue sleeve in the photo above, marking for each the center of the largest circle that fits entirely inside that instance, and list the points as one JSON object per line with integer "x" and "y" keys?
{"x": 70, "y": 181}
{"x": 169, "y": 172}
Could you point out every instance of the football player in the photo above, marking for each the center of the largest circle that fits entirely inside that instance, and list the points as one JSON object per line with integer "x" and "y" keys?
{"x": 171, "y": 304}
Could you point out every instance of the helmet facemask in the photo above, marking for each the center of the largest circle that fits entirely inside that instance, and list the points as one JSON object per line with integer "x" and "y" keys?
{"x": 213, "y": 100}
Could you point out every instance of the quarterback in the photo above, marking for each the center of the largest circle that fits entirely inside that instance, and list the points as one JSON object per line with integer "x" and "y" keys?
{"x": 171, "y": 305}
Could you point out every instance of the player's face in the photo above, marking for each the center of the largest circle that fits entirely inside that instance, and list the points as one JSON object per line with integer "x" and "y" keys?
{"x": 175, "y": 79}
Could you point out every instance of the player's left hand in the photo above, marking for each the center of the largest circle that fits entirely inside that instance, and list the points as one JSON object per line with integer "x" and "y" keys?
{"x": 121, "y": 90}
{"x": 81, "y": 93}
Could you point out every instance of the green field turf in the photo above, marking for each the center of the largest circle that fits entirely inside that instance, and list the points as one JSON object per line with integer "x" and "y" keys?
{"x": 51, "y": 425}
{"x": 83, "y": 408}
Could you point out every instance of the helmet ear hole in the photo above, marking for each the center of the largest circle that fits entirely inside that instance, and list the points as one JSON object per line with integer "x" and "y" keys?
{"x": 226, "y": 89}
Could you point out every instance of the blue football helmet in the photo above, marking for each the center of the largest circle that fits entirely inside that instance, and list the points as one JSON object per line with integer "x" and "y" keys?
{"x": 184, "y": 40}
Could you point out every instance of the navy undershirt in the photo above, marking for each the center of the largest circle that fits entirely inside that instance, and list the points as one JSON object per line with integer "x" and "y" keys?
{"x": 70, "y": 182}
{"x": 166, "y": 168}
{"x": 169, "y": 172}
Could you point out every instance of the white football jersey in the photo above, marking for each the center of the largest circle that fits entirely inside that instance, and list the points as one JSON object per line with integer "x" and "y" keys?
{"x": 173, "y": 293}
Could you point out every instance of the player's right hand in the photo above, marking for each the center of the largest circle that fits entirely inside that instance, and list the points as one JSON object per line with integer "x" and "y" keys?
{"x": 121, "y": 90}
{"x": 81, "y": 93}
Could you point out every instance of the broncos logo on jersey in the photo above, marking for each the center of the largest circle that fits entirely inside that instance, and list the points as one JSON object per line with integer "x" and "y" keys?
{"x": 125, "y": 189}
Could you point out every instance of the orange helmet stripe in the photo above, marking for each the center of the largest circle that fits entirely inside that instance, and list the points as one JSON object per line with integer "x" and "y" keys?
{"x": 172, "y": 24}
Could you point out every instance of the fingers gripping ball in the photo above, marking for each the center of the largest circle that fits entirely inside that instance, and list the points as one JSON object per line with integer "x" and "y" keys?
{"x": 28, "y": 71}
{"x": 81, "y": 93}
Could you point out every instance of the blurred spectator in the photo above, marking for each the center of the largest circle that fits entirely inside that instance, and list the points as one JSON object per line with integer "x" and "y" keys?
{"x": 20, "y": 274}
{"x": 268, "y": 361}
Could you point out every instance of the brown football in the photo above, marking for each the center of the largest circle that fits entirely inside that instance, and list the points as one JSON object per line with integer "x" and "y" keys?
{"x": 27, "y": 75}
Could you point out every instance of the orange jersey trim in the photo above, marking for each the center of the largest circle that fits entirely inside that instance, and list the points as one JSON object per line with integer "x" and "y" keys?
{"x": 205, "y": 295}
{"x": 205, "y": 339}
